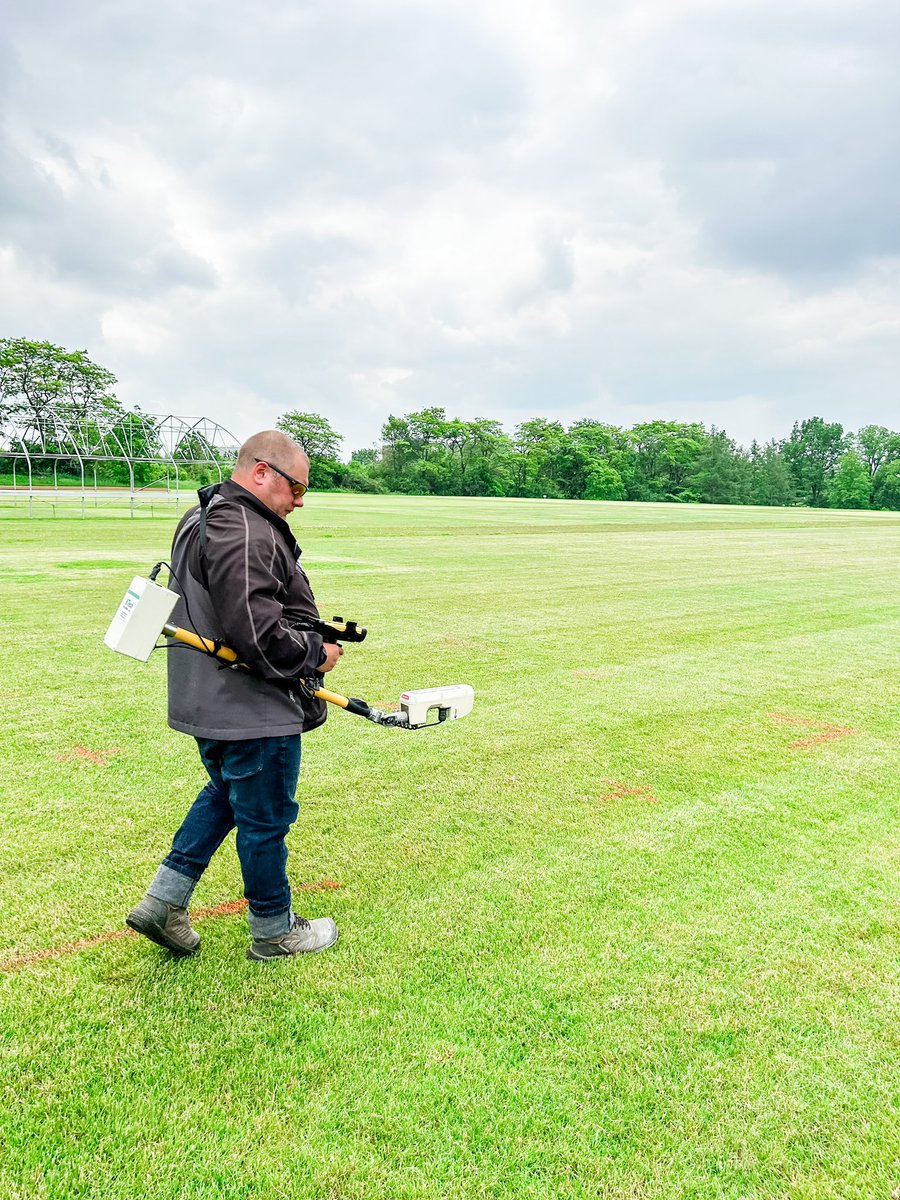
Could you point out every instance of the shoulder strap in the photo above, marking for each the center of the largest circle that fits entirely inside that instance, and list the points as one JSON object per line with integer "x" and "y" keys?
{"x": 206, "y": 495}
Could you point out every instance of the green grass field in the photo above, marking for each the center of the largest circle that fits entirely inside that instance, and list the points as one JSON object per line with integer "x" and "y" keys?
{"x": 615, "y": 935}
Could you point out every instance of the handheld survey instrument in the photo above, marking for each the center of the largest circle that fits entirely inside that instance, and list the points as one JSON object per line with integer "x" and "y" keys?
{"x": 143, "y": 617}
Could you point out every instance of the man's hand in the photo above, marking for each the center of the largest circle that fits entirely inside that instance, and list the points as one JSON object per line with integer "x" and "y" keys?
{"x": 332, "y": 653}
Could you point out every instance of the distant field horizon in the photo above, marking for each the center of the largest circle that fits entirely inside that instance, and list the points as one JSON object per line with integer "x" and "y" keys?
{"x": 8, "y": 510}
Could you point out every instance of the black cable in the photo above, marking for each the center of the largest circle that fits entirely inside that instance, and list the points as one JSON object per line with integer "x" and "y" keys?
{"x": 187, "y": 609}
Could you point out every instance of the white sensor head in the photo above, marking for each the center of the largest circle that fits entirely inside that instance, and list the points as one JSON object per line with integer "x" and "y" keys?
{"x": 455, "y": 700}
{"x": 135, "y": 628}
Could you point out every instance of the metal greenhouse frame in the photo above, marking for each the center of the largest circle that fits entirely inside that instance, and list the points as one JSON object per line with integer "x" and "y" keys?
{"x": 172, "y": 442}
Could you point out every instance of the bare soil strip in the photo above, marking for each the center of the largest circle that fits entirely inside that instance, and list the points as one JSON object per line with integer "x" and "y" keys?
{"x": 618, "y": 790}
{"x": 98, "y": 757}
{"x": 827, "y": 733}
{"x": 225, "y": 909}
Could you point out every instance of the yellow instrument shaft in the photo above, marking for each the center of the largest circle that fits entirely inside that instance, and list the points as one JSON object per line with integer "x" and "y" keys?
{"x": 332, "y": 697}
{"x": 200, "y": 643}
{"x": 228, "y": 655}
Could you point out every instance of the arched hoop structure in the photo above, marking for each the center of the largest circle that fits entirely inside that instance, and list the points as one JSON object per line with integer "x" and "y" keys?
{"x": 174, "y": 444}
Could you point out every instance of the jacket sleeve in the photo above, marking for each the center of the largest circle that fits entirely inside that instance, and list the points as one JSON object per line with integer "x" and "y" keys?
{"x": 247, "y": 591}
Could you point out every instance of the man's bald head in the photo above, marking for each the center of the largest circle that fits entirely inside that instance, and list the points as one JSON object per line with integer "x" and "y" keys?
{"x": 263, "y": 463}
{"x": 271, "y": 445}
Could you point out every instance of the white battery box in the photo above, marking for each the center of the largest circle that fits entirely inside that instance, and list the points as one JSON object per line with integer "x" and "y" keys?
{"x": 144, "y": 610}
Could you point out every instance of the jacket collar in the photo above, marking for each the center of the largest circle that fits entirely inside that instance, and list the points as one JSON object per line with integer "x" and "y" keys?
{"x": 233, "y": 492}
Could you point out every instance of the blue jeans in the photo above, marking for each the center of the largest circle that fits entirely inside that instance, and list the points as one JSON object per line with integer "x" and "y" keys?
{"x": 251, "y": 786}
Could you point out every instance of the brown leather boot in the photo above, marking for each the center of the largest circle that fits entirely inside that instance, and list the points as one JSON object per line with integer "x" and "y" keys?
{"x": 164, "y": 924}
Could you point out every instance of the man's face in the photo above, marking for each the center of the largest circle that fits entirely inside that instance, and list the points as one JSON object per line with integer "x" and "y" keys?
{"x": 275, "y": 491}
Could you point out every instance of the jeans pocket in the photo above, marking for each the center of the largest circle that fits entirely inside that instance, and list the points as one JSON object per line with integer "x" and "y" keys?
{"x": 242, "y": 760}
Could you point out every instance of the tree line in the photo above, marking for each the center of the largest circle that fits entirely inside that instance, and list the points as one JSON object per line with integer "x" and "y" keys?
{"x": 427, "y": 453}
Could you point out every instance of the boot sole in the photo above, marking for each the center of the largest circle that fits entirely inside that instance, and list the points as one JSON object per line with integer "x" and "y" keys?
{"x": 296, "y": 954}
{"x": 155, "y": 934}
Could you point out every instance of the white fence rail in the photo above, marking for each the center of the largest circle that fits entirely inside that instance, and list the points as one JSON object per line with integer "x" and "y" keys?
{"x": 50, "y": 503}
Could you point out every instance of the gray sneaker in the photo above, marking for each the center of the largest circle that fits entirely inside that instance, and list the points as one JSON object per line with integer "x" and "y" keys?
{"x": 164, "y": 924}
{"x": 303, "y": 937}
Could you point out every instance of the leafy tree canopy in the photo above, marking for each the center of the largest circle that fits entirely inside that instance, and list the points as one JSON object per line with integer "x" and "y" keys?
{"x": 877, "y": 446}
{"x": 812, "y": 453}
{"x": 886, "y": 489}
{"x": 36, "y": 375}
{"x": 851, "y": 486}
{"x": 313, "y": 433}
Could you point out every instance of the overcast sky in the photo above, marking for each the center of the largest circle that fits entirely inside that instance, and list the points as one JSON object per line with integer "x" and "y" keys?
{"x": 618, "y": 209}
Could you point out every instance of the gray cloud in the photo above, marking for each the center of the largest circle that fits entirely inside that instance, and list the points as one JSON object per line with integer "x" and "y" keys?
{"x": 778, "y": 125}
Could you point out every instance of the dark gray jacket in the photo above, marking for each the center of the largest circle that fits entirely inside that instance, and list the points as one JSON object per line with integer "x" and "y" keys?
{"x": 256, "y": 589}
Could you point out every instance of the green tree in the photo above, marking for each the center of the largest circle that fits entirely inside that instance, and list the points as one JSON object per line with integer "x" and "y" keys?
{"x": 877, "y": 446}
{"x": 479, "y": 453}
{"x": 34, "y": 376}
{"x": 425, "y": 452}
{"x": 415, "y": 453}
{"x": 667, "y": 452}
{"x": 313, "y": 433}
{"x": 537, "y": 445}
{"x": 321, "y": 443}
{"x": 604, "y": 482}
{"x": 41, "y": 384}
{"x": 491, "y": 470}
{"x": 396, "y": 452}
{"x": 886, "y": 486}
{"x": 605, "y": 446}
{"x": 850, "y": 486}
{"x": 426, "y": 431}
{"x": 721, "y": 473}
{"x": 812, "y": 453}
{"x": 572, "y": 464}
{"x": 358, "y": 476}
{"x": 770, "y": 479}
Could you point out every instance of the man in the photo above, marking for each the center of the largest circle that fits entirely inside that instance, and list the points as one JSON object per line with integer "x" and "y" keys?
{"x": 235, "y": 566}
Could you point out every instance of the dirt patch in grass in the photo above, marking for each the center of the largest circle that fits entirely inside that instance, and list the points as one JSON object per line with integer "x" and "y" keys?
{"x": 587, "y": 673}
{"x": 827, "y": 736}
{"x": 827, "y": 733}
{"x": 616, "y": 790}
{"x": 226, "y": 909}
{"x": 98, "y": 757}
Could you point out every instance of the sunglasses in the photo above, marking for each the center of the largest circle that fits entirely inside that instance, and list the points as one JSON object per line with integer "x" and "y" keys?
{"x": 297, "y": 488}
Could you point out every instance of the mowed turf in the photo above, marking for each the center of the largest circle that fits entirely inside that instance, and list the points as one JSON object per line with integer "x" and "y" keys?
{"x": 628, "y": 931}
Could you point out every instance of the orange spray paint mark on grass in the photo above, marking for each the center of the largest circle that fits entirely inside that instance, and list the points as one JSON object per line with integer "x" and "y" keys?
{"x": 827, "y": 733}
{"x": 587, "y": 673}
{"x": 18, "y": 961}
{"x": 99, "y": 758}
{"x": 618, "y": 790}
{"x": 226, "y": 909}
